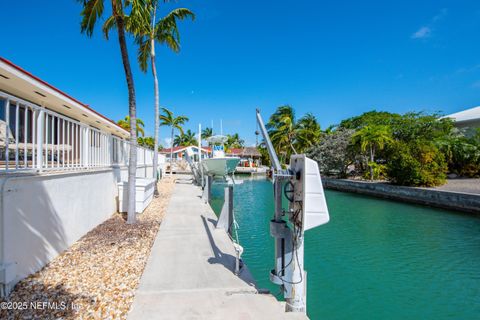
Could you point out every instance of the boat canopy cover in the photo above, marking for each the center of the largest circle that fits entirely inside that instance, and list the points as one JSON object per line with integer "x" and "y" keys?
{"x": 217, "y": 139}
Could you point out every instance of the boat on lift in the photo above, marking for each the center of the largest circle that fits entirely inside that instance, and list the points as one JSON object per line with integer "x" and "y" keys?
{"x": 219, "y": 164}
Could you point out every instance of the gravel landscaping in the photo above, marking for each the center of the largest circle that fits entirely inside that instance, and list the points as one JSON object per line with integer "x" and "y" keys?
{"x": 96, "y": 278}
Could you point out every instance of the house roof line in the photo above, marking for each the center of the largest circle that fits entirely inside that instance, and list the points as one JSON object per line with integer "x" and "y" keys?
{"x": 468, "y": 115}
{"x": 18, "y": 68}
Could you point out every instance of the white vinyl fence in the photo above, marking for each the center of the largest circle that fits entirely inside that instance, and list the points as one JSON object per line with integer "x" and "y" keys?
{"x": 33, "y": 138}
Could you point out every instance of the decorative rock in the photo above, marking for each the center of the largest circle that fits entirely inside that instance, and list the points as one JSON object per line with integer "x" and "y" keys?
{"x": 98, "y": 275}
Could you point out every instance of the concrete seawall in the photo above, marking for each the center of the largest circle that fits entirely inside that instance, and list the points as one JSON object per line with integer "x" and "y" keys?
{"x": 465, "y": 202}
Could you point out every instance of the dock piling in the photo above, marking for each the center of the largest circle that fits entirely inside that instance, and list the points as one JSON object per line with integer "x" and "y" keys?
{"x": 225, "y": 220}
{"x": 207, "y": 189}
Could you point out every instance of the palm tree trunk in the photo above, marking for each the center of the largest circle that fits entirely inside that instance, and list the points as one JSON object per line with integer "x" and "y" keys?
{"x": 171, "y": 153}
{"x": 371, "y": 163}
{"x": 294, "y": 151}
{"x": 157, "y": 105}
{"x": 290, "y": 139}
{"x": 132, "y": 110}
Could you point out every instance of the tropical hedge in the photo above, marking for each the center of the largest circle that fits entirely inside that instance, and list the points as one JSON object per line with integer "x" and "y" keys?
{"x": 412, "y": 149}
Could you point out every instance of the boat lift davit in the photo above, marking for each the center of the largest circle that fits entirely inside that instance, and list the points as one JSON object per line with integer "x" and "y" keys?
{"x": 307, "y": 208}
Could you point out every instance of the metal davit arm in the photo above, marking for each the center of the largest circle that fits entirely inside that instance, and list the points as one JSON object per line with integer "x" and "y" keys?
{"x": 268, "y": 142}
{"x": 278, "y": 227}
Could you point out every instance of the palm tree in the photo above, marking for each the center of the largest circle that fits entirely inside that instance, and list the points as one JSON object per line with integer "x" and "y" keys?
{"x": 148, "y": 142}
{"x": 234, "y": 141}
{"x": 308, "y": 132}
{"x": 282, "y": 130}
{"x": 167, "y": 119}
{"x": 164, "y": 31}
{"x": 178, "y": 140}
{"x": 188, "y": 138}
{"x": 371, "y": 138}
{"x": 93, "y": 9}
{"x": 207, "y": 133}
{"x": 125, "y": 124}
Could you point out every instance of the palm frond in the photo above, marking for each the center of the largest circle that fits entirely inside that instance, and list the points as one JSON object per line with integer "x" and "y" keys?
{"x": 92, "y": 10}
{"x": 166, "y": 118}
{"x": 108, "y": 25}
{"x": 143, "y": 54}
{"x": 166, "y": 30}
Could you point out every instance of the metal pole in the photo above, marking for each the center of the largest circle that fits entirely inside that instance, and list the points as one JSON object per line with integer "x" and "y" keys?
{"x": 200, "y": 169}
{"x": 7, "y": 132}
{"x": 229, "y": 200}
{"x": 40, "y": 123}
{"x": 297, "y": 301}
{"x": 271, "y": 150}
{"x": 200, "y": 143}
{"x": 279, "y": 241}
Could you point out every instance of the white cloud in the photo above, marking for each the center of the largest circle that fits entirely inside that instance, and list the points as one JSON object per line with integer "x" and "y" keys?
{"x": 422, "y": 33}
{"x": 426, "y": 31}
{"x": 167, "y": 141}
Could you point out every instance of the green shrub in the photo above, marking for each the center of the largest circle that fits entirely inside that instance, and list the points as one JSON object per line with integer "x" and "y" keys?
{"x": 462, "y": 153}
{"x": 419, "y": 164}
{"x": 333, "y": 153}
{"x": 379, "y": 171}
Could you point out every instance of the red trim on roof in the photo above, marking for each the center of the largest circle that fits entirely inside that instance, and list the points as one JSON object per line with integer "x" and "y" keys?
{"x": 59, "y": 91}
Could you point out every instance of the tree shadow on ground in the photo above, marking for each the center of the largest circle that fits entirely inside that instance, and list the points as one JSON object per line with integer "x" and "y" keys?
{"x": 225, "y": 259}
{"x": 33, "y": 299}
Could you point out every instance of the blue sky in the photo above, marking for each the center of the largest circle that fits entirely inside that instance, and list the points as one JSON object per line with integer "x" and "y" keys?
{"x": 335, "y": 59}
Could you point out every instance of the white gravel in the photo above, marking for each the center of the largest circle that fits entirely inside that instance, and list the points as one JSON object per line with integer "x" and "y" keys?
{"x": 97, "y": 277}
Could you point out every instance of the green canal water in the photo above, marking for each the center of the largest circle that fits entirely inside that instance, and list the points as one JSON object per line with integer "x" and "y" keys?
{"x": 375, "y": 259}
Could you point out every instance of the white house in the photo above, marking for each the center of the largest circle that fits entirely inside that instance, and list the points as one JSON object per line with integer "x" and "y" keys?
{"x": 467, "y": 119}
{"x": 178, "y": 152}
{"x": 60, "y": 162}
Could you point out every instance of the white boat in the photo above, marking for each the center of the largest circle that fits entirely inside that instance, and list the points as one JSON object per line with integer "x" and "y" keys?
{"x": 219, "y": 164}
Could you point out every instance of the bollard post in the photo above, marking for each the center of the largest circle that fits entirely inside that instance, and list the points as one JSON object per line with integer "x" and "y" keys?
{"x": 207, "y": 190}
{"x": 209, "y": 184}
{"x": 229, "y": 200}
{"x": 225, "y": 220}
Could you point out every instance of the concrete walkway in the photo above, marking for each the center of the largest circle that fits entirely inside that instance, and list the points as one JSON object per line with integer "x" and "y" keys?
{"x": 189, "y": 274}
{"x": 461, "y": 185}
